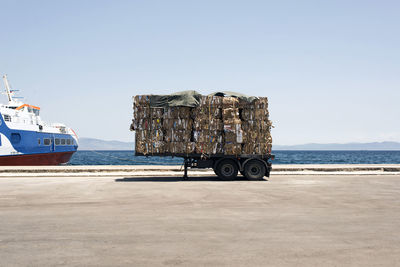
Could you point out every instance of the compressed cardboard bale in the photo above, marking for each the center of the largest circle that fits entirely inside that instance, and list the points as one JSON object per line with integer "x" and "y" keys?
{"x": 232, "y": 149}
{"x": 233, "y": 134}
{"x": 248, "y": 114}
{"x": 234, "y": 137}
{"x": 245, "y": 103}
{"x": 208, "y": 115}
{"x": 261, "y": 103}
{"x": 207, "y": 112}
{"x": 140, "y": 147}
{"x": 157, "y": 147}
{"x": 147, "y": 124}
{"x": 150, "y": 124}
{"x": 156, "y": 124}
{"x": 173, "y": 135}
{"x": 249, "y": 125}
{"x": 230, "y": 113}
{"x": 256, "y": 148}
{"x": 249, "y": 148}
{"x": 149, "y": 135}
{"x": 261, "y": 114}
{"x": 264, "y": 126}
{"x": 206, "y": 124}
{"x": 178, "y": 124}
{"x": 232, "y": 125}
{"x": 217, "y": 124}
{"x": 141, "y": 135}
{"x": 207, "y": 100}
{"x": 141, "y": 100}
{"x": 255, "y": 110}
{"x": 177, "y": 112}
{"x": 156, "y": 135}
{"x": 142, "y": 124}
{"x": 209, "y": 148}
{"x": 230, "y": 102}
{"x": 233, "y": 131}
{"x": 261, "y": 108}
{"x": 156, "y": 113}
{"x": 207, "y": 136}
{"x": 251, "y": 136}
{"x": 141, "y": 112}
{"x": 181, "y": 147}
{"x": 150, "y": 147}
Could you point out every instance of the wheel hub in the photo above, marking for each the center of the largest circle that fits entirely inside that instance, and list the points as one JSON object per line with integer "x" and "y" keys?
{"x": 227, "y": 170}
{"x": 255, "y": 170}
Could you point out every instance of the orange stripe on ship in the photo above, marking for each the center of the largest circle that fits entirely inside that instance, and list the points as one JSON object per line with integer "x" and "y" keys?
{"x": 27, "y": 105}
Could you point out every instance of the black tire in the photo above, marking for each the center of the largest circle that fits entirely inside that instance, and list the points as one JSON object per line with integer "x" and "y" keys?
{"x": 254, "y": 169}
{"x": 267, "y": 172}
{"x": 227, "y": 170}
{"x": 215, "y": 171}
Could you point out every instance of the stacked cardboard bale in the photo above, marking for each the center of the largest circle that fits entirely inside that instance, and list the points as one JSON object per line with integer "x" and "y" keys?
{"x": 178, "y": 125}
{"x": 148, "y": 126}
{"x": 215, "y": 125}
{"x": 232, "y": 126}
{"x": 256, "y": 127}
{"x": 207, "y": 126}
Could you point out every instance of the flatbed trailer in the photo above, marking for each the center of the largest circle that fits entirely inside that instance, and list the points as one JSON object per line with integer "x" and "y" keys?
{"x": 226, "y": 167}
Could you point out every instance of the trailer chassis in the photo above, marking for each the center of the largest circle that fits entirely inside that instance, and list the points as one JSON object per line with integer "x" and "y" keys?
{"x": 226, "y": 167}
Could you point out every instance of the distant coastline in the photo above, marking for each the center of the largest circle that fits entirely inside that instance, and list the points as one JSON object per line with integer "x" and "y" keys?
{"x": 98, "y": 144}
{"x": 347, "y": 146}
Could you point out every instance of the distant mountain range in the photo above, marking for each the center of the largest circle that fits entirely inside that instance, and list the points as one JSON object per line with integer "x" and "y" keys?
{"x": 98, "y": 144}
{"x": 347, "y": 146}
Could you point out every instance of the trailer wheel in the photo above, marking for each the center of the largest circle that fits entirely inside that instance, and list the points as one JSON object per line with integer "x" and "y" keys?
{"x": 227, "y": 169}
{"x": 215, "y": 171}
{"x": 267, "y": 172}
{"x": 254, "y": 169}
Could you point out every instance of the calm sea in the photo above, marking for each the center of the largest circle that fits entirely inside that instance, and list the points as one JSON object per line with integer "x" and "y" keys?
{"x": 281, "y": 157}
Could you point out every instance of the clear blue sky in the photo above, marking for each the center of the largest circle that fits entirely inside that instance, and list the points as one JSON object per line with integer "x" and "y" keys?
{"x": 331, "y": 69}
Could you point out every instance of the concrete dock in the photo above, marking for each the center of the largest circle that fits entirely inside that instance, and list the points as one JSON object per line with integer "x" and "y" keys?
{"x": 159, "y": 220}
{"x": 146, "y": 170}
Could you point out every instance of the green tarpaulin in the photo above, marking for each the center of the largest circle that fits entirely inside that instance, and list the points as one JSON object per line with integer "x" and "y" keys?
{"x": 180, "y": 99}
{"x": 238, "y": 95}
{"x": 190, "y": 98}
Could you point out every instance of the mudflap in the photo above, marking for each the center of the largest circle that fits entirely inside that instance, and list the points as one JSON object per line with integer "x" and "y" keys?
{"x": 268, "y": 169}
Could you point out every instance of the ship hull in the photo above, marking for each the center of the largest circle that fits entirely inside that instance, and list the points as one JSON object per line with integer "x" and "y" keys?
{"x": 54, "y": 158}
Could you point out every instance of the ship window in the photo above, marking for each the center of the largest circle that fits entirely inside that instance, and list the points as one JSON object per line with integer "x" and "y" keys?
{"x": 38, "y": 141}
{"x": 62, "y": 141}
{"x": 57, "y": 142}
{"x": 15, "y": 138}
{"x": 46, "y": 141}
{"x": 68, "y": 141}
{"x": 36, "y": 111}
{"x": 7, "y": 117}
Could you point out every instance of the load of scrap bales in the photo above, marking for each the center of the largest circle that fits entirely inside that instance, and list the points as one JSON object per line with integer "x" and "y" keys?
{"x": 190, "y": 123}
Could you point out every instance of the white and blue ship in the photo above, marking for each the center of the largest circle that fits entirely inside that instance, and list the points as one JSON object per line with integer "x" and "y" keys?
{"x": 26, "y": 140}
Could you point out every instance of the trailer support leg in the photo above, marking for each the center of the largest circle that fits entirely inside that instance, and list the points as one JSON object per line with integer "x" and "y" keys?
{"x": 186, "y": 164}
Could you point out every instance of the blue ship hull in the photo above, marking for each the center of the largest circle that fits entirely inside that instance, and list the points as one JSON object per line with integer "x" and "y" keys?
{"x": 24, "y": 147}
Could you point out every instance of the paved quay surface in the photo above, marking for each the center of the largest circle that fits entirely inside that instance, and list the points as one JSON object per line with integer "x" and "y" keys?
{"x": 156, "y": 170}
{"x": 289, "y": 220}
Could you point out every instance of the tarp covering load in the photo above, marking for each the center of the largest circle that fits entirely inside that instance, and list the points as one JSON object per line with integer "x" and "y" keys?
{"x": 180, "y": 99}
{"x": 223, "y": 123}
